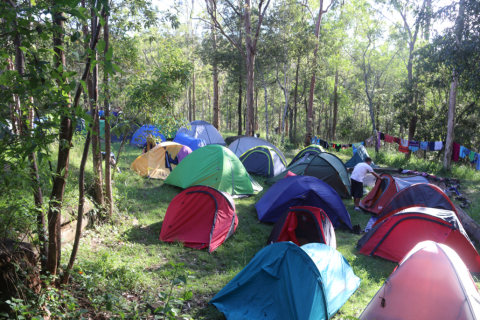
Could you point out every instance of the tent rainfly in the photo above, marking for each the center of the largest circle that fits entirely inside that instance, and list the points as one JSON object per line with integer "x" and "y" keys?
{"x": 263, "y": 161}
{"x": 203, "y": 130}
{"x": 359, "y": 157}
{"x": 242, "y": 145}
{"x": 158, "y": 162}
{"x": 312, "y": 149}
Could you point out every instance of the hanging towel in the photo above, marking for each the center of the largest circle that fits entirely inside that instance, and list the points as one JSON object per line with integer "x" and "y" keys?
{"x": 424, "y": 145}
{"x": 455, "y": 152}
{"x": 472, "y": 156}
{"x": 388, "y": 138}
{"x": 378, "y": 140}
{"x": 439, "y": 145}
{"x": 464, "y": 152}
{"x": 382, "y": 136}
{"x": 397, "y": 140}
{"x": 413, "y": 145}
{"x": 478, "y": 162}
{"x": 355, "y": 146}
{"x": 431, "y": 146}
{"x": 403, "y": 146}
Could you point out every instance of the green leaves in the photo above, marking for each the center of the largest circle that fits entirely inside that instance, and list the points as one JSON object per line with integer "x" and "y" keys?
{"x": 101, "y": 45}
{"x": 109, "y": 54}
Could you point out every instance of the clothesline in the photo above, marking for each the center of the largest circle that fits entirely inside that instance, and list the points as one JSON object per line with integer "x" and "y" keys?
{"x": 404, "y": 146}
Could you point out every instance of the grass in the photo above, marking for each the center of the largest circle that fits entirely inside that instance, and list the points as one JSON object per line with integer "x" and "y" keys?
{"x": 126, "y": 260}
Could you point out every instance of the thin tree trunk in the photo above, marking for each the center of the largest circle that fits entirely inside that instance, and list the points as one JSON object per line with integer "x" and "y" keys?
{"x": 335, "y": 106}
{"x": 266, "y": 99}
{"x": 447, "y": 160}
{"x": 108, "y": 146}
{"x": 193, "y": 97}
{"x": 250, "y": 64}
{"x": 240, "y": 93}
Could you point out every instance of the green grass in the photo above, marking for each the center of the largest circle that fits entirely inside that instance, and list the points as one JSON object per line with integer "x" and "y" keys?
{"x": 126, "y": 257}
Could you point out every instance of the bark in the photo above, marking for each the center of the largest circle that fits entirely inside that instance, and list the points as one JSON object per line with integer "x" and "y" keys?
{"x": 264, "y": 82}
{"x": 335, "y": 106}
{"x": 447, "y": 160}
{"x": 193, "y": 97}
{"x": 96, "y": 148}
{"x": 255, "y": 119}
{"x": 189, "y": 103}
{"x": 240, "y": 93}
{"x": 108, "y": 147}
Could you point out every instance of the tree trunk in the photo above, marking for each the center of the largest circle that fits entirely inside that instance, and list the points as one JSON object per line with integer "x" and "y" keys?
{"x": 250, "y": 64}
{"x": 240, "y": 94}
{"x": 108, "y": 147}
{"x": 96, "y": 146}
{"x": 335, "y": 106}
{"x": 266, "y": 100}
{"x": 193, "y": 97}
{"x": 447, "y": 160}
{"x": 189, "y": 102}
{"x": 255, "y": 118}
{"x": 308, "y": 134}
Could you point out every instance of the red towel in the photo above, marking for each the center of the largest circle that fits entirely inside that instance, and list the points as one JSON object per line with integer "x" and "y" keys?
{"x": 388, "y": 138}
{"x": 403, "y": 146}
{"x": 455, "y": 152}
{"x": 397, "y": 140}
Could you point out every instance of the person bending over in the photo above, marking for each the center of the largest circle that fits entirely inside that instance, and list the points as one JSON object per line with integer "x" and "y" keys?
{"x": 358, "y": 174}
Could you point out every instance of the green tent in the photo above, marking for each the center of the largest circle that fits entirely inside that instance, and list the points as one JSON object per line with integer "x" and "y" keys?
{"x": 214, "y": 166}
{"x": 102, "y": 129}
{"x": 359, "y": 157}
{"x": 325, "y": 166}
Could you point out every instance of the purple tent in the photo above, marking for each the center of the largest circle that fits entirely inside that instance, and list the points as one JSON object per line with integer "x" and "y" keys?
{"x": 184, "y": 151}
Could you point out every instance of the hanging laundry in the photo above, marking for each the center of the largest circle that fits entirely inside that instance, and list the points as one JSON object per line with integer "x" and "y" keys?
{"x": 464, "y": 152}
{"x": 455, "y": 151}
{"x": 370, "y": 141}
{"x": 397, "y": 140}
{"x": 472, "y": 156}
{"x": 413, "y": 145}
{"x": 378, "y": 139}
{"x": 388, "y": 138}
{"x": 337, "y": 147}
{"x": 431, "y": 146}
{"x": 478, "y": 162}
{"x": 424, "y": 145}
{"x": 355, "y": 146}
{"x": 382, "y": 136}
{"x": 438, "y": 145}
{"x": 403, "y": 146}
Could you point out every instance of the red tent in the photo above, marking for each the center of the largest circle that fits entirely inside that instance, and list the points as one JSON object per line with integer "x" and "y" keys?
{"x": 431, "y": 282}
{"x": 394, "y": 237}
{"x": 417, "y": 195}
{"x": 302, "y": 225}
{"x": 200, "y": 217}
{"x": 385, "y": 189}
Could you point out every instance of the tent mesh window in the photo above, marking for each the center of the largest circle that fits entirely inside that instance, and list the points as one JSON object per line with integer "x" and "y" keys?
{"x": 307, "y": 230}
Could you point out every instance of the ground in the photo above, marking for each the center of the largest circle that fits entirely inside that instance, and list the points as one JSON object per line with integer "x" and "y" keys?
{"x": 125, "y": 262}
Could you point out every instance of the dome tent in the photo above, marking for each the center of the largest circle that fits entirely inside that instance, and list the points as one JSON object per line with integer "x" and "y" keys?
{"x": 191, "y": 142}
{"x": 139, "y": 138}
{"x": 263, "y": 161}
{"x": 203, "y": 130}
{"x": 302, "y": 191}
{"x": 285, "y": 281}
{"x": 214, "y": 166}
{"x": 158, "y": 162}
{"x": 324, "y": 166}
{"x": 242, "y": 145}
{"x": 302, "y": 225}
{"x": 200, "y": 217}
{"x": 431, "y": 282}
{"x": 312, "y": 149}
{"x": 394, "y": 237}
{"x": 359, "y": 157}
{"x": 384, "y": 190}
{"x": 118, "y": 132}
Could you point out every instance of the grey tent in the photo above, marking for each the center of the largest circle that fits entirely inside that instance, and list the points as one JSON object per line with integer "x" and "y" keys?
{"x": 263, "y": 160}
{"x": 324, "y": 166}
{"x": 242, "y": 145}
{"x": 203, "y": 130}
{"x": 359, "y": 157}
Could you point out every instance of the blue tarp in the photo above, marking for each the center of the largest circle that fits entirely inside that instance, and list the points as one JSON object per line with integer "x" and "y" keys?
{"x": 302, "y": 191}
{"x": 285, "y": 281}
{"x": 189, "y": 141}
{"x": 139, "y": 138}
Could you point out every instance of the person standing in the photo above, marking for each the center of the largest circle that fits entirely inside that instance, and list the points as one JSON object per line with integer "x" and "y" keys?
{"x": 358, "y": 174}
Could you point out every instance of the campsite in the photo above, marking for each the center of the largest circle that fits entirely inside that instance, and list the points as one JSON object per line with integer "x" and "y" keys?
{"x": 216, "y": 159}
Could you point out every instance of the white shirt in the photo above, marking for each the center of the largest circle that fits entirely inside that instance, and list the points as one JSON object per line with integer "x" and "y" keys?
{"x": 360, "y": 171}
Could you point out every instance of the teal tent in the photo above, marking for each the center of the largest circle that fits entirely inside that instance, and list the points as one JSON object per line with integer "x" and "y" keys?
{"x": 359, "y": 157}
{"x": 285, "y": 281}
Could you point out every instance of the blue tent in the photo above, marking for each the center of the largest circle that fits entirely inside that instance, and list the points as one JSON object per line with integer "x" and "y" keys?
{"x": 285, "y": 281}
{"x": 139, "y": 138}
{"x": 203, "y": 130}
{"x": 118, "y": 132}
{"x": 302, "y": 191}
{"x": 358, "y": 157}
{"x": 189, "y": 141}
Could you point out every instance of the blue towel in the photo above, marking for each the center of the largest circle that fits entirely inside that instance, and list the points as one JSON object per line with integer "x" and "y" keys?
{"x": 424, "y": 145}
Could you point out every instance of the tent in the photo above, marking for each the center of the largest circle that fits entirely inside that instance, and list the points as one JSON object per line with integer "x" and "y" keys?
{"x": 213, "y": 166}
{"x": 302, "y": 225}
{"x": 200, "y": 217}
{"x": 263, "y": 161}
{"x": 358, "y": 157}
{"x": 102, "y": 129}
{"x": 191, "y": 142}
{"x": 324, "y": 166}
{"x": 384, "y": 190}
{"x": 431, "y": 282}
{"x": 203, "y": 130}
{"x": 139, "y": 138}
{"x": 417, "y": 195}
{"x": 158, "y": 162}
{"x": 80, "y": 126}
{"x": 285, "y": 281}
{"x": 121, "y": 129}
{"x": 242, "y": 145}
{"x": 394, "y": 237}
{"x": 184, "y": 151}
{"x": 311, "y": 149}
{"x": 302, "y": 191}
